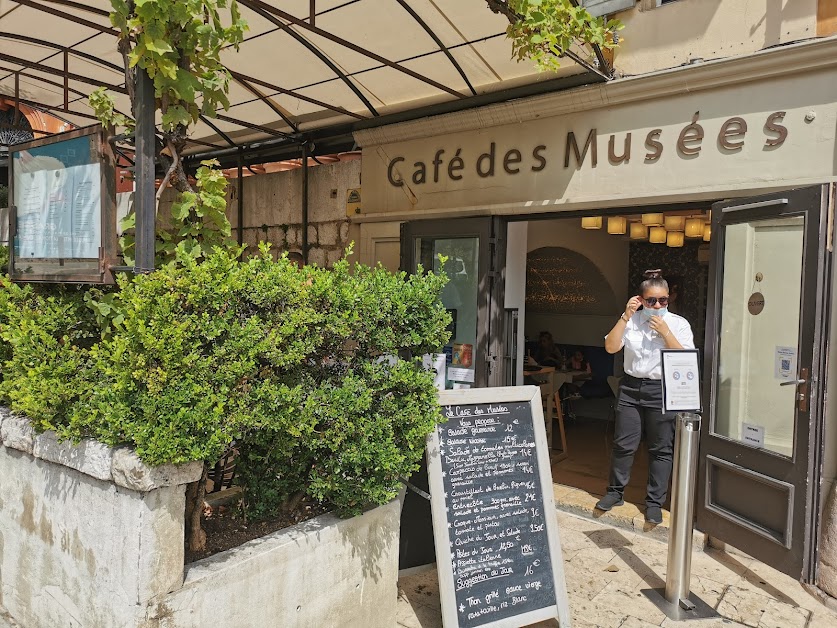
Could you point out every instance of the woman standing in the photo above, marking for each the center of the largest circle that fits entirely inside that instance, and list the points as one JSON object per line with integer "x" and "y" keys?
{"x": 643, "y": 333}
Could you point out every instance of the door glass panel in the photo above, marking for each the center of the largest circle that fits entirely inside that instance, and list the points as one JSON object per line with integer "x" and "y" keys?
{"x": 759, "y": 333}
{"x": 459, "y": 298}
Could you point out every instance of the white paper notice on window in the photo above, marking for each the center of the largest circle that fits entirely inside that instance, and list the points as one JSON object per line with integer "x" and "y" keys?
{"x": 752, "y": 435}
{"x": 456, "y": 374}
{"x": 784, "y": 367}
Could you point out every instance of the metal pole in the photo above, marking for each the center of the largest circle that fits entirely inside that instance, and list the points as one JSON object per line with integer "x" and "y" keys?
{"x": 305, "y": 202}
{"x": 240, "y": 191}
{"x": 678, "y": 572}
{"x": 145, "y": 202}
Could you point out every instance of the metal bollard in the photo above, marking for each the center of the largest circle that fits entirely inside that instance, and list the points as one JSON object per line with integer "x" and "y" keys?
{"x": 679, "y": 571}
{"x": 675, "y": 600}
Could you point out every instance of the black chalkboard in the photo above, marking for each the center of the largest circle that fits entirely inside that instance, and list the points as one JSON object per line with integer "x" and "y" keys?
{"x": 496, "y": 532}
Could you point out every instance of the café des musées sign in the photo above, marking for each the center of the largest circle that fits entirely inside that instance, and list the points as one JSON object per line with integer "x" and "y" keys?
{"x": 579, "y": 150}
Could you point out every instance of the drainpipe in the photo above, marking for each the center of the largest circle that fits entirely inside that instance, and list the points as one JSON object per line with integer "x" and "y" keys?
{"x": 145, "y": 200}
{"x": 305, "y": 202}
{"x": 240, "y": 199}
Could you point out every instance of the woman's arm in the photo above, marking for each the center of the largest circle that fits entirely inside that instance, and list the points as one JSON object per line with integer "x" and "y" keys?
{"x": 613, "y": 340}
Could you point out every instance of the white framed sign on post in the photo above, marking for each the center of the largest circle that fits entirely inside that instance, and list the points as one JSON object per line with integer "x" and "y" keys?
{"x": 681, "y": 380}
{"x": 498, "y": 550}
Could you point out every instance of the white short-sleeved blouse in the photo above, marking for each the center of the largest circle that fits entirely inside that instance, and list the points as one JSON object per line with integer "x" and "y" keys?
{"x": 642, "y": 344}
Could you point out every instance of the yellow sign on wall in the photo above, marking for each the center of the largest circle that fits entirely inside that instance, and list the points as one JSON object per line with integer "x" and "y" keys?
{"x": 353, "y": 202}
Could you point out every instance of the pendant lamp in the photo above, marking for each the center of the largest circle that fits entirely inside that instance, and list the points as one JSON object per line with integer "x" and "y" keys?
{"x": 639, "y": 231}
{"x": 674, "y": 223}
{"x": 591, "y": 222}
{"x": 657, "y": 235}
{"x": 694, "y": 228}
{"x": 674, "y": 239}
{"x": 652, "y": 220}
{"x": 617, "y": 225}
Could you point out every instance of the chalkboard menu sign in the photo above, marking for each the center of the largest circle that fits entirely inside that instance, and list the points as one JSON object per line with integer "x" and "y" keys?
{"x": 497, "y": 547}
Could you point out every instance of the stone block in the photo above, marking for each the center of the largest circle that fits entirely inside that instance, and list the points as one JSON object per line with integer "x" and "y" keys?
{"x": 89, "y": 456}
{"x": 131, "y": 472}
{"x": 333, "y": 256}
{"x": 312, "y": 235}
{"x": 294, "y": 239}
{"x": 827, "y": 576}
{"x": 317, "y": 256}
{"x": 16, "y": 432}
{"x": 344, "y": 233}
{"x": 328, "y": 233}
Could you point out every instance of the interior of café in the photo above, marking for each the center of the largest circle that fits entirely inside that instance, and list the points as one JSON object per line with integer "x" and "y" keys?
{"x": 580, "y": 272}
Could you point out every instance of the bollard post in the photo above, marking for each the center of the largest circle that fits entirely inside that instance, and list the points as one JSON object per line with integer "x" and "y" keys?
{"x": 675, "y": 600}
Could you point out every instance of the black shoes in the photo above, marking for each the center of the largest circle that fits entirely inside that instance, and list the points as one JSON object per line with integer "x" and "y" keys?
{"x": 609, "y": 501}
{"x": 654, "y": 514}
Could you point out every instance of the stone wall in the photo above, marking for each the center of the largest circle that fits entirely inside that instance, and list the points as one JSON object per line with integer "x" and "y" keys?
{"x": 91, "y": 537}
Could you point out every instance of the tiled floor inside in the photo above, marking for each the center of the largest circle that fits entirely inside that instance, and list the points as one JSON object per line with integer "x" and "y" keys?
{"x": 607, "y": 569}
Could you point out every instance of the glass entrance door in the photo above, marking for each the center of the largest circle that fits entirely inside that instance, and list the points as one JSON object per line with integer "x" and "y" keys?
{"x": 760, "y": 452}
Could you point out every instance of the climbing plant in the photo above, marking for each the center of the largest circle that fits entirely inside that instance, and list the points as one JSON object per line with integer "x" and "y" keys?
{"x": 178, "y": 43}
{"x": 545, "y": 30}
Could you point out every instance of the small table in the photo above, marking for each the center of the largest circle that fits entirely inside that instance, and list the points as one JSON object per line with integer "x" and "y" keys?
{"x": 545, "y": 374}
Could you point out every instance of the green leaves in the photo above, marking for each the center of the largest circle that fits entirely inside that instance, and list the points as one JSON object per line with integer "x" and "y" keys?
{"x": 290, "y": 364}
{"x": 546, "y": 29}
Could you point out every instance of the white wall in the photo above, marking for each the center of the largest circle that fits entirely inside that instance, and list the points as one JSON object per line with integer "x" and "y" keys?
{"x": 608, "y": 252}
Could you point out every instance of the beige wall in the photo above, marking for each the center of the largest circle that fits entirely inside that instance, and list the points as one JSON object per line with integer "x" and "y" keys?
{"x": 800, "y": 82}
{"x": 676, "y": 33}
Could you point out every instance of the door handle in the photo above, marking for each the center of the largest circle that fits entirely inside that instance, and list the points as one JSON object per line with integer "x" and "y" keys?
{"x": 793, "y": 382}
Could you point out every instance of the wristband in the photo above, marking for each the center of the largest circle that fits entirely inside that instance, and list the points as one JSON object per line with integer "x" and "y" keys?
{"x": 623, "y": 317}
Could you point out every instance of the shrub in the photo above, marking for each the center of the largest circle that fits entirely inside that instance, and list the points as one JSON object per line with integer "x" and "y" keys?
{"x": 315, "y": 374}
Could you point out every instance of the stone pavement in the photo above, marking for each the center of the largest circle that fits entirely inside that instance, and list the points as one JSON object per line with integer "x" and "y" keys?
{"x": 606, "y": 569}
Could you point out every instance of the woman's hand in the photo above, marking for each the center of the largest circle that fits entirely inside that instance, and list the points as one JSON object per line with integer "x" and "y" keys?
{"x": 632, "y": 307}
{"x": 659, "y": 325}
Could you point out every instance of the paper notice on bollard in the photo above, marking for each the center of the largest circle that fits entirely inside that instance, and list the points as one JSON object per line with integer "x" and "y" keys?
{"x": 681, "y": 380}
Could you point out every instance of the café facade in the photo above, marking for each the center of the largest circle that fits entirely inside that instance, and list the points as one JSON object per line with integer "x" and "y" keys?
{"x": 745, "y": 145}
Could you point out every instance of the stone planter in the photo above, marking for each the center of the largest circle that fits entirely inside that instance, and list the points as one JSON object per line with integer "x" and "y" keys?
{"x": 90, "y": 536}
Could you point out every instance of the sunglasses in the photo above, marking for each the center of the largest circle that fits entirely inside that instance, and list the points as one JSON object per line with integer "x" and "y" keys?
{"x": 652, "y": 301}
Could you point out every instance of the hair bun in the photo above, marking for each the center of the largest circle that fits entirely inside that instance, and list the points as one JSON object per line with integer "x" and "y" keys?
{"x": 655, "y": 273}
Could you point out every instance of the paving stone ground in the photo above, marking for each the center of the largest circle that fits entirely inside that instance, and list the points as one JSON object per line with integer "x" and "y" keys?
{"x": 607, "y": 568}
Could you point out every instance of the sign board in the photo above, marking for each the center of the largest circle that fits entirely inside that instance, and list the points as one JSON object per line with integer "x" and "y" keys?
{"x": 63, "y": 208}
{"x": 681, "y": 380}
{"x": 498, "y": 551}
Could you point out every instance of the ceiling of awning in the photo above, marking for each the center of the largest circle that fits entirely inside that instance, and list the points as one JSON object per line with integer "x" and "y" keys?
{"x": 350, "y": 61}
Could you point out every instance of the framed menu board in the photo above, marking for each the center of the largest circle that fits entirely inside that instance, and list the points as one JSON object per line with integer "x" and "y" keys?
{"x": 498, "y": 551}
{"x": 63, "y": 208}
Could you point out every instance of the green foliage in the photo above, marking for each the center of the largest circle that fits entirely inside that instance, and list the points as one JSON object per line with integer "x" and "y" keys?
{"x": 104, "y": 108}
{"x": 545, "y": 29}
{"x": 178, "y": 43}
{"x": 307, "y": 370}
{"x": 198, "y": 220}
{"x": 46, "y": 333}
{"x": 4, "y": 195}
{"x": 4, "y": 260}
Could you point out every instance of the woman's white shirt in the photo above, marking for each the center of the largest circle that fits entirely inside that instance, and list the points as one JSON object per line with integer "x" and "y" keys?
{"x": 642, "y": 344}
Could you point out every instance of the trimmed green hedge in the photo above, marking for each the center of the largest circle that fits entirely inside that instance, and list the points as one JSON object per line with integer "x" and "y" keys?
{"x": 298, "y": 367}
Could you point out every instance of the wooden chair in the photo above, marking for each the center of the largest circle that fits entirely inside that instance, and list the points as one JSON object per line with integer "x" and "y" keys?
{"x": 559, "y": 414}
{"x": 546, "y": 402}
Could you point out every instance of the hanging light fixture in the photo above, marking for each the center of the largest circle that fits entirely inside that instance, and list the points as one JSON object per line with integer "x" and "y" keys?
{"x": 639, "y": 231}
{"x": 591, "y": 222}
{"x": 674, "y": 239}
{"x": 674, "y": 223}
{"x": 652, "y": 220}
{"x": 694, "y": 227}
{"x": 707, "y": 232}
{"x": 617, "y": 225}
{"x": 657, "y": 235}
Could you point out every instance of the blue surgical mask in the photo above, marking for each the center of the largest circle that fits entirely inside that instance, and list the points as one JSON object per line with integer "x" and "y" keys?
{"x": 649, "y": 312}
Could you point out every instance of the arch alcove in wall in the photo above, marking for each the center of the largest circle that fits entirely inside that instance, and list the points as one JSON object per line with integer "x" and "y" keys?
{"x": 563, "y": 281}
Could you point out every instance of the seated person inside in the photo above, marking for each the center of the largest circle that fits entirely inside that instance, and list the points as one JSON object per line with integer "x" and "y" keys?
{"x": 546, "y": 353}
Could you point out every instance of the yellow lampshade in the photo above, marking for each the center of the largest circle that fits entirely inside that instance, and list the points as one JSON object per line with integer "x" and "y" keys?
{"x": 694, "y": 228}
{"x": 674, "y": 223}
{"x": 675, "y": 239}
{"x": 591, "y": 222}
{"x": 657, "y": 235}
{"x": 617, "y": 225}
{"x": 707, "y": 232}
{"x": 639, "y": 231}
{"x": 652, "y": 220}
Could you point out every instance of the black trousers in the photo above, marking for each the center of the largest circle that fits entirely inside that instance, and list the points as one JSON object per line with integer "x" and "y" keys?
{"x": 638, "y": 409}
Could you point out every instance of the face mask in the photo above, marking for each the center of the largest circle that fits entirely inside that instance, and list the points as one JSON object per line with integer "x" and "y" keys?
{"x": 649, "y": 312}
